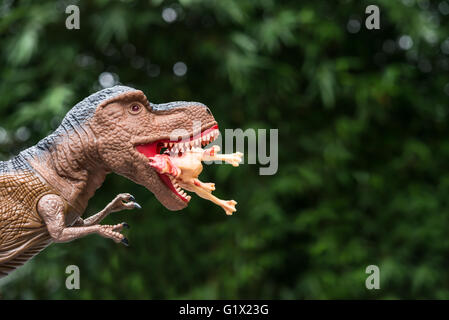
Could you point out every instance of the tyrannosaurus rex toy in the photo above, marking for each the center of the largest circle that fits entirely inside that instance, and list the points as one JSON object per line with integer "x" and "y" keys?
{"x": 45, "y": 189}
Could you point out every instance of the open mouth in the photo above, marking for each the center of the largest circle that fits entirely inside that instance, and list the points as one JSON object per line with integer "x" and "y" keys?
{"x": 177, "y": 148}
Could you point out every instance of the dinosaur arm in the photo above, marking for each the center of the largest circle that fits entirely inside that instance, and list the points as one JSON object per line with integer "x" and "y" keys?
{"x": 51, "y": 209}
{"x": 121, "y": 202}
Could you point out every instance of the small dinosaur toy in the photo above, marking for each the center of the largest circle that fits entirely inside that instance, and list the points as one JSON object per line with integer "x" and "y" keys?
{"x": 184, "y": 169}
{"x": 45, "y": 189}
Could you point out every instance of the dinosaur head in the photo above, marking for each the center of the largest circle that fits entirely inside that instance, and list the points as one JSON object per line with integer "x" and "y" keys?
{"x": 129, "y": 130}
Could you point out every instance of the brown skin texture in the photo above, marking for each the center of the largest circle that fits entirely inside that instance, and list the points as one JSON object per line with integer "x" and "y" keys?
{"x": 68, "y": 175}
{"x": 24, "y": 233}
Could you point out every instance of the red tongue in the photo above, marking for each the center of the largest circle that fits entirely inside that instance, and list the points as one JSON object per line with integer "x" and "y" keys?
{"x": 149, "y": 150}
{"x": 163, "y": 164}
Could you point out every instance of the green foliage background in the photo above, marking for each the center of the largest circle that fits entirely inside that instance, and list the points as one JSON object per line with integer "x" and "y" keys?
{"x": 363, "y": 145}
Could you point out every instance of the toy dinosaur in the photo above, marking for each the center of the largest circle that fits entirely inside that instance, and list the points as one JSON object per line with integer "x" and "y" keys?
{"x": 45, "y": 189}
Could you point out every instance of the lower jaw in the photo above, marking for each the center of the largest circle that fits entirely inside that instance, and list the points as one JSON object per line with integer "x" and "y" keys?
{"x": 165, "y": 179}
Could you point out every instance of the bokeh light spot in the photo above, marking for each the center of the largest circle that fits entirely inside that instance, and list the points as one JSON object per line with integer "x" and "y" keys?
{"x": 22, "y": 134}
{"x": 445, "y": 46}
{"x": 443, "y": 7}
{"x": 405, "y": 42}
{"x": 353, "y": 26}
{"x": 106, "y": 79}
{"x": 179, "y": 69}
{"x": 169, "y": 15}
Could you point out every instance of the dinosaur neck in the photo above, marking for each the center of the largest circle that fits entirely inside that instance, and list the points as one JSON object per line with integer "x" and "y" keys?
{"x": 72, "y": 166}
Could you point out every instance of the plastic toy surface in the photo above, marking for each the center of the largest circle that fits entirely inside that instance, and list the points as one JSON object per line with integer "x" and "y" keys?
{"x": 45, "y": 189}
{"x": 183, "y": 170}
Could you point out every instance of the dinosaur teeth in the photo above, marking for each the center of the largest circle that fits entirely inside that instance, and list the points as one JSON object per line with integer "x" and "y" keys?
{"x": 178, "y": 148}
{"x": 178, "y": 189}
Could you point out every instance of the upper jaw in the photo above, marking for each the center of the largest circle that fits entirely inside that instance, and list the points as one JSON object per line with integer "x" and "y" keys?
{"x": 166, "y": 137}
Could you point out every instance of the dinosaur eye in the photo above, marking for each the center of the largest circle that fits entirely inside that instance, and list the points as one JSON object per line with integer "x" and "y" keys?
{"x": 135, "y": 108}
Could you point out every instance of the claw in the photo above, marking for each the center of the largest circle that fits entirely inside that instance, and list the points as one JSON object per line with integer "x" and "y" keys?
{"x": 125, "y": 225}
{"x": 137, "y": 206}
{"x": 131, "y": 198}
{"x": 125, "y": 242}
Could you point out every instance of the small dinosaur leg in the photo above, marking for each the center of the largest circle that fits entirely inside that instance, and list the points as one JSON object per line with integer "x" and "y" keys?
{"x": 209, "y": 186}
{"x": 205, "y": 193}
{"x": 123, "y": 201}
{"x": 51, "y": 208}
